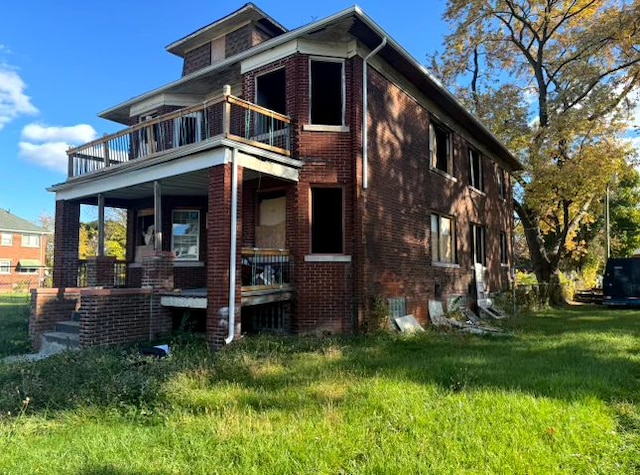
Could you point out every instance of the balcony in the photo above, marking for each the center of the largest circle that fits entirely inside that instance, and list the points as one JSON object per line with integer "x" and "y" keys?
{"x": 228, "y": 117}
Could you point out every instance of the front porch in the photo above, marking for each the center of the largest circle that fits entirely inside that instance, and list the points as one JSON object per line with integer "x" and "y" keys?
{"x": 207, "y": 223}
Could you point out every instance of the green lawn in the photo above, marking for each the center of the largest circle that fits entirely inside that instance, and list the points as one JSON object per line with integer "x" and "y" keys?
{"x": 14, "y": 324}
{"x": 561, "y": 395}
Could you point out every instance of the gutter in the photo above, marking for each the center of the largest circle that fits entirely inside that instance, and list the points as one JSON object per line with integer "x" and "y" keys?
{"x": 233, "y": 250}
{"x": 365, "y": 114}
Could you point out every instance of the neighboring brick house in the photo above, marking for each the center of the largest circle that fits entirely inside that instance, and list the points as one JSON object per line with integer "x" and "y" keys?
{"x": 23, "y": 248}
{"x": 294, "y": 178}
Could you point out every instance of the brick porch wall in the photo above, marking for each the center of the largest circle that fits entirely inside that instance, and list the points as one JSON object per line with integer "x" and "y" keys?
{"x": 118, "y": 316}
{"x": 48, "y": 307}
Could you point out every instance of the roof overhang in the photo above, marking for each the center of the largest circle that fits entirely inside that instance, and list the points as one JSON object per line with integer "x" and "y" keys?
{"x": 245, "y": 14}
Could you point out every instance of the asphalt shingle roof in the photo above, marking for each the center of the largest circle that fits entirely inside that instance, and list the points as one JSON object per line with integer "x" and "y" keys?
{"x": 11, "y": 222}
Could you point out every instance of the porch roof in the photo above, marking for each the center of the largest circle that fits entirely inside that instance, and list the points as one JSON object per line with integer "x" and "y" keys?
{"x": 184, "y": 172}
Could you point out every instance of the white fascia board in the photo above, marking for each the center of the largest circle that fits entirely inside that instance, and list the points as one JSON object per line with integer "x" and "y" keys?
{"x": 163, "y": 99}
{"x": 269, "y": 56}
{"x": 270, "y": 168}
{"x": 315, "y": 48}
{"x": 191, "y": 163}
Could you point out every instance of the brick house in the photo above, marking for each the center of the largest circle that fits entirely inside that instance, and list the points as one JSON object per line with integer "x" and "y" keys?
{"x": 285, "y": 182}
{"x": 23, "y": 248}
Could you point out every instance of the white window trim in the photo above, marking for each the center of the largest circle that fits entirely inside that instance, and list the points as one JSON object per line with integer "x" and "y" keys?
{"x": 5, "y": 263}
{"x": 30, "y": 245}
{"x": 9, "y": 242}
{"x": 323, "y": 59}
{"x": 327, "y": 258}
{"x": 178, "y": 258}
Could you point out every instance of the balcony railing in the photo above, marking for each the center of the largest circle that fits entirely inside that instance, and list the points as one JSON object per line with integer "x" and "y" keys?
{"x": 119, "y": 274}
{"x": 228, "y": 117}
{"x": 266, "y": 268}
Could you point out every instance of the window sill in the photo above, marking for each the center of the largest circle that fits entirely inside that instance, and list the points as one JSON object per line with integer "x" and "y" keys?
{"x": 185, "y": 263}
{"x": 327, "y": 258}
{"x": 325, "y": 128}
{"x": 477, "y": 191}
{"x": 450, "y": 265}
{"x": 443, "y": 174}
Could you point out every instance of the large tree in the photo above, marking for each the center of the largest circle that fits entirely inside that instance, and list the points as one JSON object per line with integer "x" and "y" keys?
{"x": 554, "y": 80}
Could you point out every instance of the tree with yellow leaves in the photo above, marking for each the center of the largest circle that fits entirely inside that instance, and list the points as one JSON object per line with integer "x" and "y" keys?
{"x": 554, "y": 80}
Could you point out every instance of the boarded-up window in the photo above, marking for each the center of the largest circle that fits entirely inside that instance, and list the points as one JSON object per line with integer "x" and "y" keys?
{"x": 217, "y": 50}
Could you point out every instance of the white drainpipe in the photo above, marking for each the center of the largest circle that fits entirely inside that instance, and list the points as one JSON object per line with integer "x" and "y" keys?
{"x": 232, "y": 252}
{"x": 365, "y": 116}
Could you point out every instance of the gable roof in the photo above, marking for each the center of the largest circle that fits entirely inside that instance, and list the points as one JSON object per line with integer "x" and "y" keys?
{"x": 11, "y": 222}
{"x": 360, "y": 26}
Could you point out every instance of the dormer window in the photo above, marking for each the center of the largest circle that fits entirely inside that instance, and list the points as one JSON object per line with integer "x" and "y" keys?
{"x": 218, "y": 49}
{"x": 327, "y": 92}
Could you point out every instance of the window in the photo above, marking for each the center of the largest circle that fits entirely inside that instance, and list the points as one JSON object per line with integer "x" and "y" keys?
{"x": 185, "y": 234}
{"x": 502, "y": 184}
{"x": 27, "y": 270}
{"x": 443, "y": 239}
{"x": 5, "y": 266}
{"x": 187, "y": 129}
{"x": 30, "y": 240}
{"x": 6, "y": 239}
{"x": 440, "y": 149}
{"x": 326, "y": 221}
{"x": 504, "y": 250}
{"x": 475, "y": 165}
{"x": 327, "y": 92}
{"x": 478, "y": 239}
{"x": 271, "y": 91}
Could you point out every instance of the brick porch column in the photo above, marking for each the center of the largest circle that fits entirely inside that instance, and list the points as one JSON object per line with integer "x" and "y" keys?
{"x": 157, "y": 270}
{"x": 66, "y": 242}
{"x": 100, "y": 271}
{"x": 218, "y": 248}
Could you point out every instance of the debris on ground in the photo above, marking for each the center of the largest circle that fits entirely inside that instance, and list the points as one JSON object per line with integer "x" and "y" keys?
{"x": 408, "y": 324}
{"x": 461, "y": 319}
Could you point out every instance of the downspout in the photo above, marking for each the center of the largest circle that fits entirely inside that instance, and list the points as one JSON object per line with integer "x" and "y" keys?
{"x": 233, "y": 250}
{"x": 365, "y": 115}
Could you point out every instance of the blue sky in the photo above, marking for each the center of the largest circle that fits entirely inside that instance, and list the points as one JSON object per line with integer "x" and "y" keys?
{"x": 61, "y": 63}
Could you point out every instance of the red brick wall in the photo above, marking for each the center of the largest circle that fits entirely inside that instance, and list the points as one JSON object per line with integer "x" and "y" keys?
{"x": 15, "y": 252}
{"x": 119, "y": 316}
{"x": 218, "y": 235}
{"x": 197, "y": 58}
{"x": 48, "y": 307}
{"x": 402, "y": 195}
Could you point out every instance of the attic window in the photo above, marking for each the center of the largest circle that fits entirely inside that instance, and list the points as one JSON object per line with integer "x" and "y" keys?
{"x": 218, "y": 49}
{"x": 327, "y": 92}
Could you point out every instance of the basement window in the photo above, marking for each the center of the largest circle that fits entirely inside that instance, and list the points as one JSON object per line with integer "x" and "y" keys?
{"x": 327, "y": 231}
{"x": 327, "y": 92}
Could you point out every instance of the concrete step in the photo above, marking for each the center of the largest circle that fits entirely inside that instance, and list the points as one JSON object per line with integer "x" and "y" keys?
{"x": 69, "y": 326}
{"x": 67, "y": 340}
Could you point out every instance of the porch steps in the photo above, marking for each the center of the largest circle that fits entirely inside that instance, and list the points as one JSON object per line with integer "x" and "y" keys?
{"x": 70, "y": 326}
{"x": 65, "y": 336}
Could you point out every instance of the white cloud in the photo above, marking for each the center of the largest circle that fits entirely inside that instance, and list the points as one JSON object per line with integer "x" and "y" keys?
{"x": 51, "y": 155}
{"x": 47, "y": 145}
{"x": 13, "y": 101}
{"x": 76, "y": 134}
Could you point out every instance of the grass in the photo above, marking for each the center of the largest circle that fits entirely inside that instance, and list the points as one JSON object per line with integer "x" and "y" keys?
{"x": 561, "y": 395}
{"x": 14, "y": 324}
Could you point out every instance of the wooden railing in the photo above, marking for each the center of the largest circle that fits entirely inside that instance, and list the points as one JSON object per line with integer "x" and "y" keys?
{"x": 266, "y": 268}
{"x": 229, "y": 117}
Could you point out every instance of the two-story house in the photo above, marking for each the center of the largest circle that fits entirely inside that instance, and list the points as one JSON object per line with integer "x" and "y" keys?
{"x": 23, "y": 248}
{"x": 285, "y": 182}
